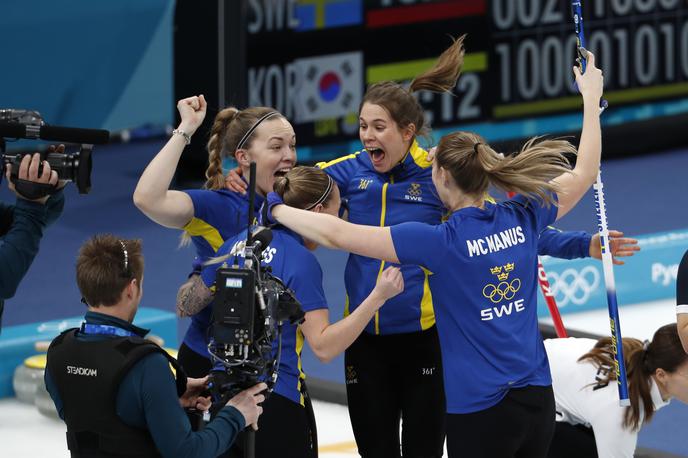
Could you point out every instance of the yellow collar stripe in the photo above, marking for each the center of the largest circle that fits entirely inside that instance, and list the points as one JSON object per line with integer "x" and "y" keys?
{"x": 324, "y": 165}
{"x": 419, "y": 155}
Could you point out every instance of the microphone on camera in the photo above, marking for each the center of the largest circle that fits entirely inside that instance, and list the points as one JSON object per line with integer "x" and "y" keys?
{"x": 20, "y": 116}
{"x": 52, "y": 133}
{"x": 261, "y": 239}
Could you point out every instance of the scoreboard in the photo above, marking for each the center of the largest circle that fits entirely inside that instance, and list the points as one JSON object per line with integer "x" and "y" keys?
{"x": 313, "y": 59}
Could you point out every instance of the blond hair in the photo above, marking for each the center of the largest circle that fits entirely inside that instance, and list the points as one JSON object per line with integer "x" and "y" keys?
{"x": 229, "y": 127}
{"x": 302, "y": 187}
{"x": 475, "y": 166}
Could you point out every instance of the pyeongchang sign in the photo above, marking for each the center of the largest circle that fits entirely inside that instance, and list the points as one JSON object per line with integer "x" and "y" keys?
{"x": 650, "y": 275}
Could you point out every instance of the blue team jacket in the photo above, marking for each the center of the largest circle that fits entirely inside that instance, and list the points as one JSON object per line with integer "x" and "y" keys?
{"x": 406, "y": 193}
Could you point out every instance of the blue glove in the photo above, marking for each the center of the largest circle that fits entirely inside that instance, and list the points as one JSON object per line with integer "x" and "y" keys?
{"x": 271, "y": 201}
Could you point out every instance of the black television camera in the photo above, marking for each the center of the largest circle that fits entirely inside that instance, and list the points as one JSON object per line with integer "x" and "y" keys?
{"x": 75, "y": 167}
{"x": 249, "y": 307}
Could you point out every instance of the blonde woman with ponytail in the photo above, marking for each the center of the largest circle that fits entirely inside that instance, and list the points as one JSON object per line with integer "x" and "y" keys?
{"x": 590, "y": 422}
{"x": 211, "y": 215}
{"x": 481, "y": 265}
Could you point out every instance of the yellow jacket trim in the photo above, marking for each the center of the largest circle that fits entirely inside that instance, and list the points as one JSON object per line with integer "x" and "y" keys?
{"x": 302, "y": 376}
{"x": 324, "y": 165}
{"x": 198, "y": 227}
{"x": 427, "y": 311}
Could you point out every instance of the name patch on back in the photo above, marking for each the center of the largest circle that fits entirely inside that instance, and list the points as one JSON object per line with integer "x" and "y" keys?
{"x": 496, "y": 242}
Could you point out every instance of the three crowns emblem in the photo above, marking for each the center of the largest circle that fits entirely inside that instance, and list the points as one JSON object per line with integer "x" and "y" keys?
{"x": 502, "y": 272}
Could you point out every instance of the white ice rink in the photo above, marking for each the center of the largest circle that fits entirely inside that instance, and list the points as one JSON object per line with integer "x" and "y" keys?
{"x": 25, "y": 433}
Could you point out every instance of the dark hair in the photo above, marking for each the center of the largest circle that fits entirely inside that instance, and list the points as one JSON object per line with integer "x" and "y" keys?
{"x": 105, "y": 266}
{"x": 474, "y": 165}
{"x": 229, "y": 127}
{"x": 664, "y": 352}
{"x": 402, "y": 106}
{"x": 302, "y": 187}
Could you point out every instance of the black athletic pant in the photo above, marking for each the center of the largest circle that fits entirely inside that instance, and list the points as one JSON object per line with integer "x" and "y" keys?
{"x": 195, "y": 365}
{"x": 520, "y": 426}
{"x": 393, "y": 377}
{"x": 283, "y": 428}
{"x": 283, "y": 431}
{"x": 572, "y": 441}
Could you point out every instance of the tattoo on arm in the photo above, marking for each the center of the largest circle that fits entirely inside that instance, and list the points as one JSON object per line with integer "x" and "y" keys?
{"x": 193, "y": 296}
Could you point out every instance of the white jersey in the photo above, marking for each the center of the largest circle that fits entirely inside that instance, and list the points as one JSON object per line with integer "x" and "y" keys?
{"x": 582, "y": 399}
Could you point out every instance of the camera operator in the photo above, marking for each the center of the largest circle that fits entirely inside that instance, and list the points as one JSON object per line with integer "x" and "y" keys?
{"x": 115, "y": 390}
{"x": 22, "y": 224}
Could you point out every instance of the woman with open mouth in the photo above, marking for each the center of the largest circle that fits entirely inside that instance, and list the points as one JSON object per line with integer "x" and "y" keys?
{"x": 210, "y": 216}
{"x": 397, "y": 360}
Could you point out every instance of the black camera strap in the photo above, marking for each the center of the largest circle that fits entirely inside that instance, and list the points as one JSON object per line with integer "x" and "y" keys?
{"x": 31, "y": 190}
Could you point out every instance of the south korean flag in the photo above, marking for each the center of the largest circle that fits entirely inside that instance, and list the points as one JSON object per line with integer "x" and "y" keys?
{"x": 330, "y": 86}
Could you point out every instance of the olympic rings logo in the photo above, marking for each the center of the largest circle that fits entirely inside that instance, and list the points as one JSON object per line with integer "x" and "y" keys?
{"x": 574, "y": 286}
{"x": 503, "y": 291}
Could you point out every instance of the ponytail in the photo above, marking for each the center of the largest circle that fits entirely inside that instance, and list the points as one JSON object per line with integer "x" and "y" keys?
{"x": 639, "y": 386}
{"x": 304, "y": 187}
{"x": 400, "y": 103}
{"x": 474, "y": 165}
{"x": 214, "y": 175}
{"x": 443, "y": 75}
{"x": 642, "y": 361}
{"x": 602, "y": 357}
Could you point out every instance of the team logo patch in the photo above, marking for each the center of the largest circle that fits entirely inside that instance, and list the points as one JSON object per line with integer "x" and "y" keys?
{"x": 504, "y": 289}
{"x": 414, "y": 192}
{"x": 351, "y": 376}
{"x": 365, "y": 182}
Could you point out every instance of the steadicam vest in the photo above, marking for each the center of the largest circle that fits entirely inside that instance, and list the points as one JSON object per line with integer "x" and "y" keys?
{"x": 87, "y": 375}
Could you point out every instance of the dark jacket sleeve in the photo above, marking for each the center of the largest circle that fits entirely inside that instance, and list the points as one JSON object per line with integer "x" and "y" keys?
{"x": 20, "y": 244}
{"x": 147, "y": 398}
{"x": 565, "y": 245}
{"x": 682, "y": 282}
{"x": 54, "y": 207}
{"x": 54, "y": 394}
{"x": 6, "y": 218}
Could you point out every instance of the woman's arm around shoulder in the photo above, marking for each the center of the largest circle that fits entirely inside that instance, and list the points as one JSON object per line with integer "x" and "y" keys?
{"x": 332, "y": 232}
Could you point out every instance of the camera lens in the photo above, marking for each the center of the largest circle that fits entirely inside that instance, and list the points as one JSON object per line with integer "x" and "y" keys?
{"x": 75, "y": 167}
